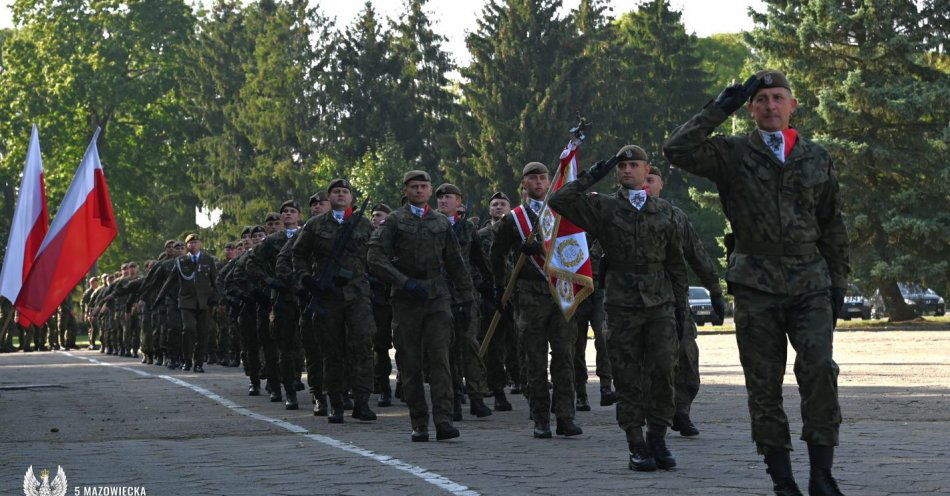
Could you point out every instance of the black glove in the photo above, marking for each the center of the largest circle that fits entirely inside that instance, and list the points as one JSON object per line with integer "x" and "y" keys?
{"x": 275, "y": 283}
{"x": 415, "y": 289}
{"x": 499, "y": 292}
{"x": 837, "y": 301}
{"x": 735, "y": 96}
{"x": 463, "y": 311}
{"x": 310, "y": 282}
{"x": 602, "y": 168}
{"x": 532, "y": 248}
{"x": 719, "y": 306}
{"x": 681, "y": 317}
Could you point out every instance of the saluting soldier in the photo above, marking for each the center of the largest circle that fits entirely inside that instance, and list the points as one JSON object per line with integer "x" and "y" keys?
{"x": 410, "y": 251}
{"x": 539, "y": 318}
{"x": 686, "y": 381}
{"x": 195, "y": 275}
{"x": 346, "y": 335}
{"x": 645, "y": 290}
{"x": 788, "y": 266}
{"x": 463, "y": 355}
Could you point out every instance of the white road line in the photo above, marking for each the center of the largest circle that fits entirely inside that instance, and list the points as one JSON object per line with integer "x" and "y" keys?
{"x": 433, "y": 478}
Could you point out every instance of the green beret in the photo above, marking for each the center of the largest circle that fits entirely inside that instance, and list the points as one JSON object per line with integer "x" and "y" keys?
{"x": 416, "y": 175}
{"x": 319, "y": 196}
{"x": 339, "y": 183}
{"x": 534, "y": 168}
{"x": 657, "y": 172}
{"x": 246, "y": 231}
{"x": 271, "y": 216}
{"x": 192, "y": 237}
{"x": 257, "y": 229}
{"x": 632, "y": 152}
{"x": 170, "y": 242}
{"x": 382, "y": 207}
{"x": 289, "y": 203}
{"x": 499, "y": 196}
{"x": 229, "y": 245}
{"x": 447, "y": 189}
{"x": 771, "y": 78}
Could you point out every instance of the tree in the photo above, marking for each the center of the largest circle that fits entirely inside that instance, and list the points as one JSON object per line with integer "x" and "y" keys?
{"x": 73, "y": 65}
{"x": 868, "y": 91}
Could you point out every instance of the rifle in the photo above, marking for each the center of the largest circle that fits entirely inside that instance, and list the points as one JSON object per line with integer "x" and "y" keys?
{"x": 331, "y": 271}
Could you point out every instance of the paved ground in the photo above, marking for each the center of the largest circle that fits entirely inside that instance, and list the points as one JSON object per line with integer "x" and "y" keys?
{"x": 200, "y": 434}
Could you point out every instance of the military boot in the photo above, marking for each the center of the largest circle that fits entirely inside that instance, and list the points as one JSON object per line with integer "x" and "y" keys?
{"x": 641, "y": 458}
{"x": 398, "y": 393}
{"x": 582, "y": 404}
{"x": 320, "y": 405}
{"x": 820, "y": 482}
{"x": 347, "y": 401}
{"x": 684, "y": 425}
{"x": 457, "y": 408}
{"x": 361, "y": 409}
{"x": 445, "y": 430}
{"x": 274, "y": 388}
{"x": 160, "y": 360}
{"x": 478, "y": 407}
{"x": 151, "y": 360}
{"x": 779, "y": 464}
{"x": 336, "y": 408}
{"x": 186, "y": 366}
{"x": 385, "y": 399}
{"x": 420, "y": 434}
{"x": 542, "y": 429}
{"x": 255, "y": 388}
{"x": 145, "y": 359}
{"x": 501, "y": 401}
{"x": 656, "y": 439}
{"x": 607, "y": 396}
{"x": 298, "y": 385}
{"x": 291, "y": 403}
{"x": 567, "y": 427}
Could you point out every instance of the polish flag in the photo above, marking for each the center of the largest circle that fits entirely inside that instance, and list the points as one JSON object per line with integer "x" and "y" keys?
{"x": 83, "y": 228}
{"x": 30, "y": 221}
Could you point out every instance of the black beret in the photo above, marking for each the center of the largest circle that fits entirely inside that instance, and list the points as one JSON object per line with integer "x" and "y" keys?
{"x": 339, "y": 183}
{"x": 289, "y": 203}
{"x": 271, "y": 216}
{"x": 447, "y": 189}
{"x": 382, "y": 207}
{"x": 499, "y": 196}
{"x": 257, "y": 229}
{"x": 319, "y": 196}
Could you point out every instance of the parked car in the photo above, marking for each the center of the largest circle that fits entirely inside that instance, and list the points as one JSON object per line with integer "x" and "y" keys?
{"x": 923, "y": 301}
{"x": 700, "y": 306}
{"x": 855, "y": 305}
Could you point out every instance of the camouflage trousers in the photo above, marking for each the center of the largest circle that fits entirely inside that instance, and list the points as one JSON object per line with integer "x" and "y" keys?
{"x": 67, "y": 328}
{"x": 250, "y": 346}
{"x": 591, "y": 313}
{"x": 686, "y": 381}
{"x": 270, "y": 364}
{"x": 424, "y": 329}
{"x": 642, "y": 345}
{"x": 346, "y": 337}
{"x": 542, "y": 325}
{"x": 382, "y": 343}
{"x": 131, "y": 327}
{"x": 171, "y": 335}
{"x": 285, "y": 327}
{"x": 463, "y": 355}
{"x": 763, "y": 321}
{"x": 502, "y": 356}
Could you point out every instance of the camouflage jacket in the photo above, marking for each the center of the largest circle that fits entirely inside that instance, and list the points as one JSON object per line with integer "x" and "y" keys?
{"x": 472, "y": 254}
{"x": 695, "y": 253}
{"x": 154, "y": 279}
{"x": 786, "y": 217}
{"x": 262, "y": 262}
{"x": 408, "y": 247}
{"x": 646, "y": 266}
{"x": 315, "y": 242}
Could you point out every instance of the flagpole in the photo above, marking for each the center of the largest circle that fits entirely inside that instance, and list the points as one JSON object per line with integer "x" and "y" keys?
{"x": 510, "y": 286}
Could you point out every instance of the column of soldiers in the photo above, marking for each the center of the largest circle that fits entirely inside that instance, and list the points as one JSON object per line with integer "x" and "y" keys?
{"x": 299, "y": 298}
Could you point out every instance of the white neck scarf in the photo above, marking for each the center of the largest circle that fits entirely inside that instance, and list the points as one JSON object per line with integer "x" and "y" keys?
{"x": 419, "y": 211}
{"x": 535, "y": 205}
{"x": 638, "y": 198}
{"x": 776, "y": 142}
{"x": 338, "y": 216}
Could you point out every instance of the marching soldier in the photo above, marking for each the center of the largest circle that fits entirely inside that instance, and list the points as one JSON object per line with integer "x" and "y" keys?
{"x": 383, "y": 318}
{"x": 230, "y": 336}
{"x": 686, "y": 382}
{"x": 240, "y": 296}
{"x": 788, "y": 266}
{"x": 92, "y": 284}
{"x": 154, "y": 278}
{"x": 539, "y": 318}
{"x": 591, "y": 313}
{"x": 195, "y": 275}
{"x": 343, "y": 303}
{"x": 410, "y": 251}
{"x": 645, "y": 291}
{"x": 463, "y": 356}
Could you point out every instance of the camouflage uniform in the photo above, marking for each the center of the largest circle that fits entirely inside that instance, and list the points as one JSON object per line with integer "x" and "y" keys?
{"x": 85, "y": 305}
{"x": 590, "y": 313}
{"x": 503, "y": 356}
{"x": 646, "y": 277}
{"x": 383, "y": 340}
{"x": 790, "y": 247}
{"x": 345, "y": 330}
{"x": 541, "y": 323}
{"x": 231, "y": 335}
{"x": 253, "y": 322}
{"x": 687, "y": 379}
{"x": 147, "y": 291}
{"x": 409, "y": 247}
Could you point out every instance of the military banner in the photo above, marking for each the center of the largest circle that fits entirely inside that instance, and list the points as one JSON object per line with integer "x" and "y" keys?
{"x": 568, "y": 256}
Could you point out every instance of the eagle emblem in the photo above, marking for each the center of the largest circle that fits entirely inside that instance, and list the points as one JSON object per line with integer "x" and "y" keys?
{"x": 33, "y": 487}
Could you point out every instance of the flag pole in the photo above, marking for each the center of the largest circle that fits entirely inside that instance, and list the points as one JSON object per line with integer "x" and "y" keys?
{"x": 510, "y": 286}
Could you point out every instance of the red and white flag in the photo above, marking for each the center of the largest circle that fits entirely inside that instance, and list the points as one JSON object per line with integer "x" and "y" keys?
{"x": 29, "y": 225}
{"x": 568, "y": 256}
{"x": 83, "y": 228}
